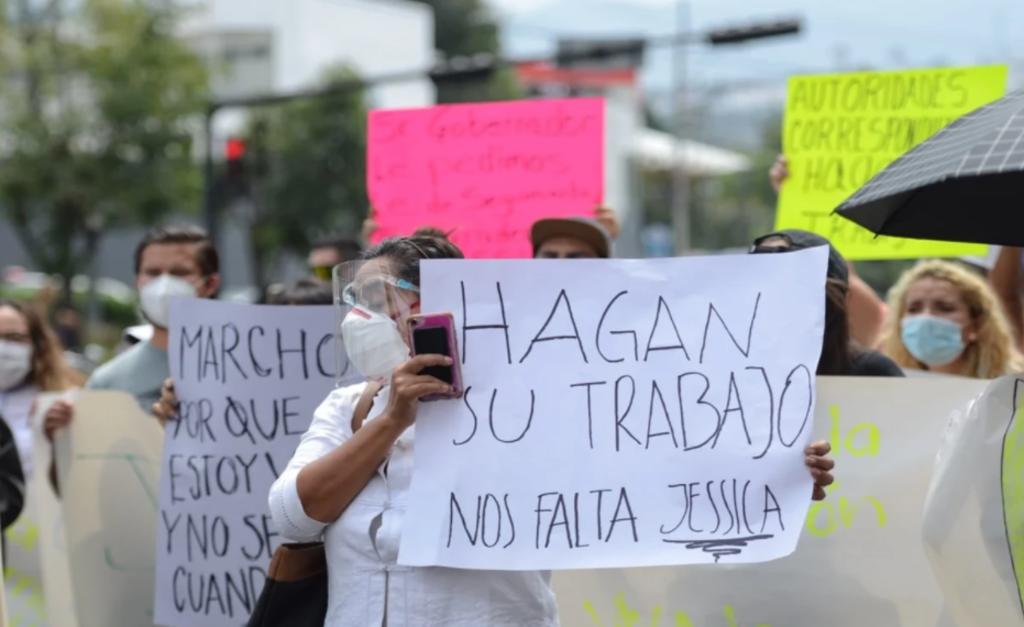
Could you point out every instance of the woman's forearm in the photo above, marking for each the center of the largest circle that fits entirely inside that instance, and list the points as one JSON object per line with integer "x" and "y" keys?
{"x": 1005, "y": 280}
{"x": 866, "y": 312}
{"x": 328, "y": 485}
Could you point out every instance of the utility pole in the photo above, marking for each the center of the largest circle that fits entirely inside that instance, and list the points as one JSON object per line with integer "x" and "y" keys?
{"x": 681, "y": 222}
{"x": 210, "y": 214}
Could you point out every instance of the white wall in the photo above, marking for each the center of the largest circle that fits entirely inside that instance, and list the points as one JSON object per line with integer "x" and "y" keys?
{"x": 383, "y": 37}
{"x": 377, "y": 37}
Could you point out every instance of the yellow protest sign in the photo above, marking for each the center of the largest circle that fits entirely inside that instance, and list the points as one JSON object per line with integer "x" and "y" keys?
{"x": 839, "y": 130}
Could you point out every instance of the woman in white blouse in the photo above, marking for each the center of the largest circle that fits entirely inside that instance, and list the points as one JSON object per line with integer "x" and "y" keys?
{"x": 31, "y": 363}
{"x": 348, "y": 484}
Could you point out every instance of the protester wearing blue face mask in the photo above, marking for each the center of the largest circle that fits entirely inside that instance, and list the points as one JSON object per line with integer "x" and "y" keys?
{"x": 933, "y": 341}
{"x": 946, "y": 319}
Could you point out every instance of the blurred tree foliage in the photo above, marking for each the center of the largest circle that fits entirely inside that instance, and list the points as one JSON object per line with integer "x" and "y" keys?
{"x": 306, "y": 168}
{"x": 465, "y": 28}
{"x": 97, "y": 109}
{"x": 745, "y": 209}
{"x": 725, "y": 212}
{"x": 731, "y": 211}
{"x": 308, "y": 173}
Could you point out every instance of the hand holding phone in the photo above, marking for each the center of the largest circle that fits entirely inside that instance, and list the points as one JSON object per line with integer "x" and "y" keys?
{"x": 434, "y": 334}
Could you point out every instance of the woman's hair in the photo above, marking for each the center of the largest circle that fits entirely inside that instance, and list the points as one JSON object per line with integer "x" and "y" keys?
{"x": 992, "y": 354}
{"x": 836, "y": 351}
{"x": 406, "y": 253}
{"x": 50, "y": 372}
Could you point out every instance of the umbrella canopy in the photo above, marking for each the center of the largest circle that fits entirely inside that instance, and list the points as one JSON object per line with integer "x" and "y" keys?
{"x": 963, "y": 184}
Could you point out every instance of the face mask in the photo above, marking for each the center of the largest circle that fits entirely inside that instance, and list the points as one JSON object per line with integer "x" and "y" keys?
{"x": 156, "y": 297}
{"x": 932, "y": 341}
{"x": 373, "y": 343}
{"x": 15, "y": 363}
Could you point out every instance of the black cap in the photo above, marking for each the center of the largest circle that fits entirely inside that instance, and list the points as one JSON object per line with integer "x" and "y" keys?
{"x": 799, "y": 240}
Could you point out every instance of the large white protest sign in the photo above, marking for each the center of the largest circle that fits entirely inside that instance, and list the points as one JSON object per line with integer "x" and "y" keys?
{"x": 974, "y": 519}
{"x": 109, "y": 463}
{"x": 619, "y": 413}
{"x": 248, "y": 378}
{"x": 861, "y": 560}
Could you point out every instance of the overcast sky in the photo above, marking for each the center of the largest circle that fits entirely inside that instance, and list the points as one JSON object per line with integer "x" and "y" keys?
{"x": 837, "y": 33}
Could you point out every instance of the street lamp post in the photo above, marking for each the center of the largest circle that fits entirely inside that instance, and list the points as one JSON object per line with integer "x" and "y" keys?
{"x": 210, "y": 215}
{"x": 680, "y": 174}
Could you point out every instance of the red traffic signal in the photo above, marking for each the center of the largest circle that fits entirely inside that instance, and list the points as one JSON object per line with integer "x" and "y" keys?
{"x": 234, "y": 149}
{"x": 235, "y": 165}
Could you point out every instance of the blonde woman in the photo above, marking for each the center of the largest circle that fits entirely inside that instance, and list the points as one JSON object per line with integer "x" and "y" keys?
{"x": 946, "y": 319}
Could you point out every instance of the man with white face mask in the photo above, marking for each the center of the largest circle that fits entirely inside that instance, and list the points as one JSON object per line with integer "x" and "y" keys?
{"x": 170, "y": 262}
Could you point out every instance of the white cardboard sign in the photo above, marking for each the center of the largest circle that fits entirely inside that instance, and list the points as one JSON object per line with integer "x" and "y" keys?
{"x": 249, "y": 378}
{"x": 619, "y": 413}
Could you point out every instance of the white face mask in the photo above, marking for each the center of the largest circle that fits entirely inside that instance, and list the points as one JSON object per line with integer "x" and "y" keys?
{"x": 373, "y": 343}
{"x": 15, "y": 363}
{"x": 156, "y": 297}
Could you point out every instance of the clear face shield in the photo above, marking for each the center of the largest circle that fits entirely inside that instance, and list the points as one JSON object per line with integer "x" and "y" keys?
{"x": 373, "y": 305}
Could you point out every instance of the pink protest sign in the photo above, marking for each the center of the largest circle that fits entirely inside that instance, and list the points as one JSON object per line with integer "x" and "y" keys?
{"x": 485, "y": 172}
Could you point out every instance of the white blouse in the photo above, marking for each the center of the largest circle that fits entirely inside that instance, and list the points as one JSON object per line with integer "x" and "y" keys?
{"x": 366, "y": 586}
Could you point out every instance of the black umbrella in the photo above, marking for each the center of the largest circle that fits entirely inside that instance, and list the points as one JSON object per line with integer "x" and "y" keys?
{"x": 963, "y": 184}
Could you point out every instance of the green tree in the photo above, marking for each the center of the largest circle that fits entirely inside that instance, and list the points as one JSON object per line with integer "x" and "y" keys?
{"x": 730, "y": 211}
{"x": 466, "y": 28}
{"x": 307, "y": 173}
{"x": 725, "y": 211}
{"x": 97, "y": 117}
{"x": 306, "y": 159}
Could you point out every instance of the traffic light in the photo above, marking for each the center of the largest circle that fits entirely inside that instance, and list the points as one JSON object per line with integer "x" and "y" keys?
{"x": 465, "y": 69}
{"x": 235, "y": 170}
{"x": 234, "y": 158}
{"x": 754, "y": 31}
{"x": 234, "y": 150}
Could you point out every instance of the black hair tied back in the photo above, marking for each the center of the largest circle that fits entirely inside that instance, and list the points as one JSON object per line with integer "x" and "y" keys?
{"x": 407, "y": 252}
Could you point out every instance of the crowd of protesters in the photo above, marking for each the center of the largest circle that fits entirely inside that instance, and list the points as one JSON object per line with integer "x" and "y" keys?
{"x": 942, "y": 318}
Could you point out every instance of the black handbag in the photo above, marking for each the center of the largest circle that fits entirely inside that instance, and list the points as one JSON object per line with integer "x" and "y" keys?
{"x": 296, "y": 590}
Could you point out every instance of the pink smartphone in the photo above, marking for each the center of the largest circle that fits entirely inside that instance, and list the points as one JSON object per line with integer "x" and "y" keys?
{"x": 434, "y": 334}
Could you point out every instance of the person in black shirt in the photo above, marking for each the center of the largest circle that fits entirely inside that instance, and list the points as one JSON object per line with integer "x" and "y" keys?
{"x": 840, "y": 355}
{"x": 12, "y": 481}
